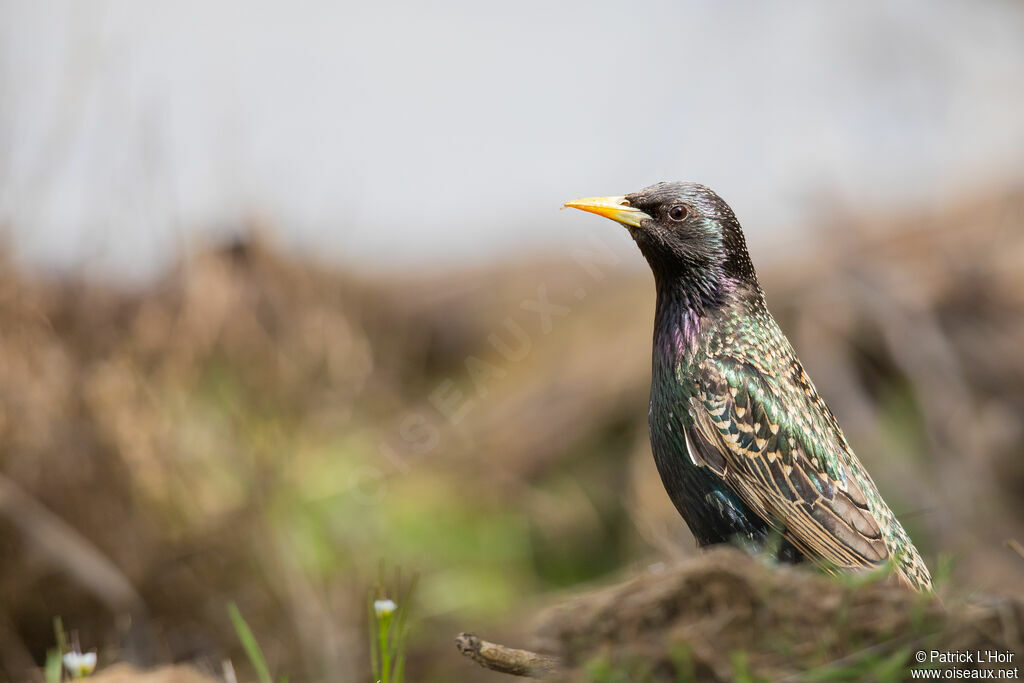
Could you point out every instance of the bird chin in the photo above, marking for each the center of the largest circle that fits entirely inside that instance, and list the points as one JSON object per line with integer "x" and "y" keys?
{"x": 645, "y": 239}
{"x": 636, "y": 233}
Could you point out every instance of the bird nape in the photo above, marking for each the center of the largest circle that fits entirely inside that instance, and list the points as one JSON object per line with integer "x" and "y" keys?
{"x": 746, "y": 448}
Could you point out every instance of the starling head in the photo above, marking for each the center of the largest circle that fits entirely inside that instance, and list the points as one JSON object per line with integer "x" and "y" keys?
{"x": 687, "y": 233}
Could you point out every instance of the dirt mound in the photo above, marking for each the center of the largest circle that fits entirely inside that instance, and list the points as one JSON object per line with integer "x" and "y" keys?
{"x": 726, "y": 616}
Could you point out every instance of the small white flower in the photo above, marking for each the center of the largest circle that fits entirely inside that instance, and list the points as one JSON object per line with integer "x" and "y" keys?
{"x": 80, "y": 664}
{"x": 384, "y": 608}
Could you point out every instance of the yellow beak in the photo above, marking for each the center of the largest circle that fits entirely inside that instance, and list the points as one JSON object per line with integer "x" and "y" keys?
{"x": 616, "y": 208}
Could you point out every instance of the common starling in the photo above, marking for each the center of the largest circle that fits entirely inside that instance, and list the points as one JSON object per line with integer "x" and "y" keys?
{"x": 746, "y": 448}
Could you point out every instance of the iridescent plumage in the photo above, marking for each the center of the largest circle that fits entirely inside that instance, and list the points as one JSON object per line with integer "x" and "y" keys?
{"x": 744, "y": 444}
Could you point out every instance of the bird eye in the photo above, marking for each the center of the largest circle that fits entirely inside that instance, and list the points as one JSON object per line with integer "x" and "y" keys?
{"x": 678, "y": 212}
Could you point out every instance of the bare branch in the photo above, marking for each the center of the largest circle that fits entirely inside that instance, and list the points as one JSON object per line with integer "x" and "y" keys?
{"x": 508, "y": 660}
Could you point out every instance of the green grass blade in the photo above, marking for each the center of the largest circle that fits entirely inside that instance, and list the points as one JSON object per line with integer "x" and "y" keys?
{"x": 60, "y": 636}
{"x": 54, "y": 666}
{"x": 371, "y": 622}
{"x": 252, "y": 648}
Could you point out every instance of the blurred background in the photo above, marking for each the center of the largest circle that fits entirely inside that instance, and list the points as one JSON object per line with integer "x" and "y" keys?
{"x": 285, "y": 297}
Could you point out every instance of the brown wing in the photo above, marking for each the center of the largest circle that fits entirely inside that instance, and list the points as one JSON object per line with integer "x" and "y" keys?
{"x": 779, "y": 463}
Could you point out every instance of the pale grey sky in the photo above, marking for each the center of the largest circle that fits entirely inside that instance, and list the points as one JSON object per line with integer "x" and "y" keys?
{"x": 399, "y": 133}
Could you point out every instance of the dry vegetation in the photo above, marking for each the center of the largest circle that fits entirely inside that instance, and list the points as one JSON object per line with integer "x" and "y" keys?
{"x": 726, "y": 616}
{"x": 256, "y": 429}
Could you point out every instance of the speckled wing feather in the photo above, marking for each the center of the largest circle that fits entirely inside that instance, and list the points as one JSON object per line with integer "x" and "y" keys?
{"x": 779, "y": 447}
